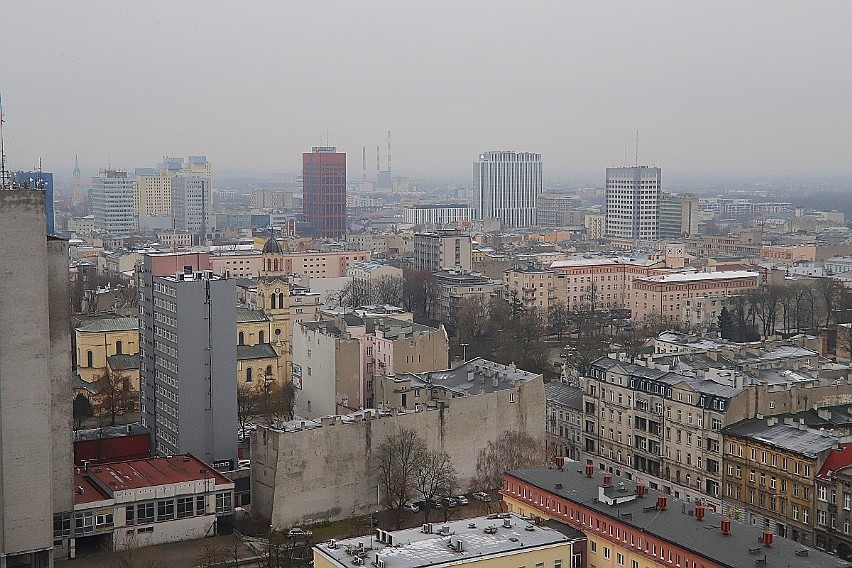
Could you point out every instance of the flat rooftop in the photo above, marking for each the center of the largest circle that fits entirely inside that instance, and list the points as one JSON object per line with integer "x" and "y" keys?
{"x": 414, "y": 548}
{"x": 699, "y": 276}
{"x": 674, "y": 524}
{"x": 152, "y": 472}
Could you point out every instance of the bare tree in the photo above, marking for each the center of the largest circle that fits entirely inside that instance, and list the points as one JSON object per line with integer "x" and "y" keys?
{"x": 472, "y": 319}
{"x": 557, "y": 319}
{"x": 277, "y": 401}
{"x": 397, "y": 461}
{"x": 434, "y": 476}
{"x": 388, "y": 290}
{"x": 114, "y": 395}
{"x": 513, "y": 449}
{"x": 249, "y": 402}
{"x": 830, "y": 292}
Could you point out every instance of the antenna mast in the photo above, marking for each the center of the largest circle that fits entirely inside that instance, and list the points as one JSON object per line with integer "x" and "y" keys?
{"x": 637, "y": 148}
{"x": 3, "y": 183}
{"x": 389, "y": 155}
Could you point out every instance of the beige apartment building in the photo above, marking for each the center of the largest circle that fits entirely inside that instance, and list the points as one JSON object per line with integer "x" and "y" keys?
{"x": 536, "y": 288}
{"x": 595, "y": 226}
{"x": 664, "y": 295}
{"x": 315, "y": 264}
{"x": 604, "y": 281}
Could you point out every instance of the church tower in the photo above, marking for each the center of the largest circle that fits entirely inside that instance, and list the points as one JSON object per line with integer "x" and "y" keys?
{"x": 273, "y": 297}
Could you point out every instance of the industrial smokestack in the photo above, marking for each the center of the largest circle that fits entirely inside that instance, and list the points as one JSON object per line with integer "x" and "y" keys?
{"x": 378, "y": 159}
{"x": 364, "y": 161}
{"x": 389, "y": 155}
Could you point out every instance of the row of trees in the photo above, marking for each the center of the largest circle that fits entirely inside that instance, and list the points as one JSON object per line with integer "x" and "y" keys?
{"x": 502, "y": 331}
{"x": 408, "y": 469}
{"x": 412, "y": 291}
{"x": 269, "y": 399}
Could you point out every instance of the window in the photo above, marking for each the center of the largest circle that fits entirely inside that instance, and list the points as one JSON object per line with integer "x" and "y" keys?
{"x": 119, "y": 347}
{"x": 261, "y": 336}
{"x": 606, "y": 553}
{"x": 200, "y": 505}
{"x": 166, "y": 510}
{"x": 594, "y": 546}
{"x": 248, "y": 374}
{"x": 145, "y": 513}
{"x": 62, "y": 526}
{"x": 184, "y": 507}
{"x": 619, "y": 559}
{"x": 128, "y": 516}
{"x": 89, "y": 359}
{"x": 223, "y": 503}
{"x": 84, "y": 522}
{"x": 241, "y": 339}
{"x": 103, "y": 519}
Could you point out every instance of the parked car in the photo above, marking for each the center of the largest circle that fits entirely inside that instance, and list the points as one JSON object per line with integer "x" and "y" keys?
{"x": 411, "y": 507}
{"x": 298, "y": 532}
{"x": 462, "y": 499}
{"x": 451, "y": 502}
{"x": 435, "y": 504}
{"x": 482, "y": 496}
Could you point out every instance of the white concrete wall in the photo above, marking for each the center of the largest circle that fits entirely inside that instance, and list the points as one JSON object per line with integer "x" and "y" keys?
{"x": 328, "y": 473}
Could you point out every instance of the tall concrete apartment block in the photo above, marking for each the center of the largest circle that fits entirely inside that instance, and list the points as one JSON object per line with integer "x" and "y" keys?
{"x": 36, "y": 486}
{"x": 187, "y": 325}
{"x": 112, "y": 203}
{"x": 324, "y": 191}
{"x": 442, "y": 250}
{"x": 191, "y": 204}
{"x": 506, "y": 187}
{"x": 632, "y": 203}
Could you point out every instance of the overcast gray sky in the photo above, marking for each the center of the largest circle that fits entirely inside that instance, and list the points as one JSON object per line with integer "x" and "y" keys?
{"x": 736, "y": 87}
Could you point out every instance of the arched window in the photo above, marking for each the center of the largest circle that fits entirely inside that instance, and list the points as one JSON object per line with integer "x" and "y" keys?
{"x": 89, "y": 359}
{"x": 242, "y": 338}
{"x": 261, "y": 336}
{"x": 248, "y": 374}
{"x": 272, "y": 300}
{"x": 281, "y": 300}
{"x": 119, "y": 347}
{"x": 268, "y": 372}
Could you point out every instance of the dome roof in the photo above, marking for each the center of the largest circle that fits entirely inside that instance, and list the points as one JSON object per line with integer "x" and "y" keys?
{"x": 272, "y": 247}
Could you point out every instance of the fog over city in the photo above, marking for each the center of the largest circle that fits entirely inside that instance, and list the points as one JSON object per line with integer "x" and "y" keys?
{"x": 758, "y": 88}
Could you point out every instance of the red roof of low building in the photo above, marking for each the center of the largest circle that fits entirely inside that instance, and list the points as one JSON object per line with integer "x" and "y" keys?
{"x": 87, "y": 492}
{"x": 836, "y": 460}
{"x": 147, "y": 472}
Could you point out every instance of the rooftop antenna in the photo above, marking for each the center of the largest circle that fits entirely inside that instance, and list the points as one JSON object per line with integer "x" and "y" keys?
{"x": 637, "y": 148}
{"x": 3, "y": 182}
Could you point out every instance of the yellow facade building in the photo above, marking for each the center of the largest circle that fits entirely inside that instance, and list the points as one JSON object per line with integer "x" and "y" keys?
{"x": 496, "y": 541}
{"x": 98, "y": 340}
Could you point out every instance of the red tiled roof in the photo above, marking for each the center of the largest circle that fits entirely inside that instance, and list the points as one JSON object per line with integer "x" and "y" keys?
{"x": 90, "y": 492}
{"x": 837, "y": 459}
{"x": 151, "y": 472}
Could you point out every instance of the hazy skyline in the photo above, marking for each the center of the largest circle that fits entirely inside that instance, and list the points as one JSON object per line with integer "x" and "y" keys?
{"x": 759, "y": 87}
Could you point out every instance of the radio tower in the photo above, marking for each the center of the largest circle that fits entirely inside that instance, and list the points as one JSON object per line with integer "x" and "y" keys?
{"x": 77, "y": 198}
{"x": 364, "y": 161}
{"x": 389, "y": 157}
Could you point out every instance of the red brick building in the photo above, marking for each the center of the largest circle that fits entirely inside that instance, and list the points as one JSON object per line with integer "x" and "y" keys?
{"x": 324, "y": 191}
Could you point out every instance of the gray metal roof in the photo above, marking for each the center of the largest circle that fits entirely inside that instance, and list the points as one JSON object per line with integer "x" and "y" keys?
{"x": 245, "y": 315}
{"x": 259, "y": 351}
{"x": 110, "y": 324}
{"x": 809, "y": 443}
{"x": 564, "y": 394}
{"x": 674, "y": 525}
{"x": 123, "y": 362}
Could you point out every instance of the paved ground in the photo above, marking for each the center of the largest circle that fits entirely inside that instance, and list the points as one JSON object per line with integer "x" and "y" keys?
{"x": 172, "y": 555}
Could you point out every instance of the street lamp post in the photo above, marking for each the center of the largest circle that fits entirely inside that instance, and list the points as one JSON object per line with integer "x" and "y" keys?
{"x": 464, "y": 351}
